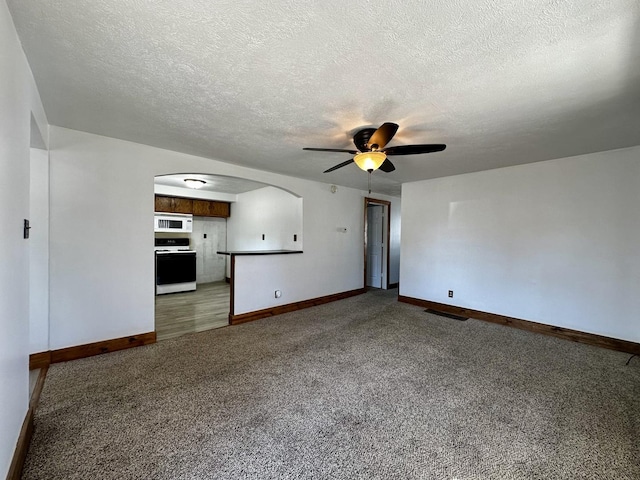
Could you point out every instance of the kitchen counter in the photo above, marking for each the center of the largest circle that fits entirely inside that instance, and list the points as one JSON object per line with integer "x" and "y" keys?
{"x": 257, "y": 252}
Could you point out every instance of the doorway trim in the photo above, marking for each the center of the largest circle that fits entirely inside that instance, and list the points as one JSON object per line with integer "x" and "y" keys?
{"x": 374, "y": 201}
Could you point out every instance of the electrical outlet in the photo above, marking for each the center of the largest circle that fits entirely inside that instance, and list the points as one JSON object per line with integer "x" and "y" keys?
{"x": 278, "y": 293}
{"x": 295, "y": 237}
{"x": 450, "y": 293}
{"x": 263, "y": 236}
{"x": 205, "y": 235}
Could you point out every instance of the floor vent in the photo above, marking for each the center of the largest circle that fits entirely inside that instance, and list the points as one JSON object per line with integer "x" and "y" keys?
{"x": 444, "y": 314}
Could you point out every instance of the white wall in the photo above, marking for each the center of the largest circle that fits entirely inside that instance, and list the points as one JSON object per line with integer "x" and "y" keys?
{"x": 18, "y": 99}
{"x": 553, "y": 242}
{"x": 332, "y": 261}
{"x": 101, "y": 237}
{"x": 394, "y": 241}
{"x": 268, "y": 211}
{"x": 39, "y": 252}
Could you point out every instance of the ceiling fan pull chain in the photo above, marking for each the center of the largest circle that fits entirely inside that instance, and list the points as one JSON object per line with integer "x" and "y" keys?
{"x": 369, "y": 181}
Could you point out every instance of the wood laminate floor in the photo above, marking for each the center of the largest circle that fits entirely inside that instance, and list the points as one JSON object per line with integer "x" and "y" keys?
{"x": 188, "y": 312}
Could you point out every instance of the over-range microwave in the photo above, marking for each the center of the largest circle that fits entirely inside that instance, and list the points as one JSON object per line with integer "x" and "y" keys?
{"x": 172, "y": 222}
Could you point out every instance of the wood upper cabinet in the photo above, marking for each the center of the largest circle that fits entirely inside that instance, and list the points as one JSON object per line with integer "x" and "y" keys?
{"x": 182, "y": 205}
{"x": 163, "y": 204}
{"x": 173, "y": 204}
{"x": 219, "y": 209}
{"x": 200, "y": 208}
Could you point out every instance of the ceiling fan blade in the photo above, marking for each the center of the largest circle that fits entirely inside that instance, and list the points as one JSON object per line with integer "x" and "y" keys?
{"x": 340, "y": 165}
{"x": 387, "y": 166}
{"x": 383, "y": 135}
{"x": 352, "y": 152}
{"x": 414, "y": 149}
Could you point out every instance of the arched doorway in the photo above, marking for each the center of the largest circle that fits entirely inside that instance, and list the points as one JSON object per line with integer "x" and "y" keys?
{"x": 228, "y": 213}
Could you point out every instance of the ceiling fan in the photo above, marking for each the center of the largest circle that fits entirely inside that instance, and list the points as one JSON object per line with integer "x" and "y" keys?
{"x": 371, "y": 153}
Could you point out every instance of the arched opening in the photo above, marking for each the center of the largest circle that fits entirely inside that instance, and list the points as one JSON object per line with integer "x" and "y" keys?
{"x": 222, "y": 214}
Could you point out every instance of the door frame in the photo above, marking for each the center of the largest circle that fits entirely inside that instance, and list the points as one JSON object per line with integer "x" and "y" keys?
{"x": 374, "y": 201}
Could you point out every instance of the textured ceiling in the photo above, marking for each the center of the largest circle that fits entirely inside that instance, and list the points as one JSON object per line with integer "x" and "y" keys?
{"x": 501, "y": 82}
{"x": 214, "y": 183}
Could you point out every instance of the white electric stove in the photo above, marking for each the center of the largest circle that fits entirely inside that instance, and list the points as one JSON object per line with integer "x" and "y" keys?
{"x": 175, "y": 266}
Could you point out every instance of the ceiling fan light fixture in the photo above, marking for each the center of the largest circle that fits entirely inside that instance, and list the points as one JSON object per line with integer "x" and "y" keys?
{"x": 369, "y": 161}
{"x": 372, "y": 150}
{"x": 194, "y": 183}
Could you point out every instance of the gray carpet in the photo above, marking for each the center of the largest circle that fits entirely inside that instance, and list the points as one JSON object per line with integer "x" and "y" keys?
{"x": 362, "y": 388}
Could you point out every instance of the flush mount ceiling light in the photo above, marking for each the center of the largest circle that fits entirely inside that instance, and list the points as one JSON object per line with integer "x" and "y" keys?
{"x": 369, "y": 161}
{"x": 194, "y": 182}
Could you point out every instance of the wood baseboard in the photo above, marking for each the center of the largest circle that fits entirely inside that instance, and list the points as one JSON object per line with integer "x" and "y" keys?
{"x": 39, "y": 360}
{"x": 26, "y": 432}
{"x": 22, "y": 446}
{"x": 227, "y": 279}
{"x": 560, "y": 332}
{"x": 35, "y": 396}
{"x": 291, "y": 307}
{"x": 393, "y": 285}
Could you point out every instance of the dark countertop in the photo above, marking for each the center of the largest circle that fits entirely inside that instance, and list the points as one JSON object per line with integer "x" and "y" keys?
{"x": 257, "y": 252}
